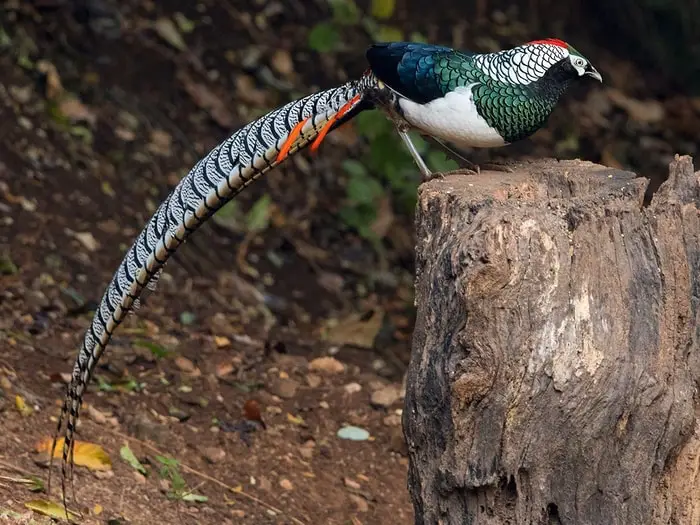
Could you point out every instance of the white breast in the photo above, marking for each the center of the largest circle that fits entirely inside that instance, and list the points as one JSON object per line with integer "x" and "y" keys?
{"x": 452, "y": 118}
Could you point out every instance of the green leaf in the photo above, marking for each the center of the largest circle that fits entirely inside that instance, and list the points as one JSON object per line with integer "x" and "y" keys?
{"x": 324, "y": 37}
{"x": 418, "y": 37}
{"x": 187, "y": 318}
{"x": 439, "y": 162}
{"x": 258, "y": 218}
{"x": 371, "y": 124}
{"x": 156, "y": 349}
{"x": 383, "y": 8}
{"x": 354, "y": 168}
{"x": 194, "y": 498}
{"x": 127, "y": 455}
{"x": 388, "y": 34}
{"x": 345, "y": 12}
{"x": 7, "y": 267}
{"x": 363, "y": 189}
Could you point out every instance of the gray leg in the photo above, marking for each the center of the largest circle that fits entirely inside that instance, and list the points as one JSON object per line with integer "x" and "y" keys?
{"x": 427, "y": 174}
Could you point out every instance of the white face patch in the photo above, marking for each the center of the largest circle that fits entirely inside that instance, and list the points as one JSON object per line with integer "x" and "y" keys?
{"x": 580, "y": 64}
{"x": 523, "y": 64}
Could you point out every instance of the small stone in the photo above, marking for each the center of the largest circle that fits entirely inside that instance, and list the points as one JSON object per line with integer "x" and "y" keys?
{"x": 352, "y": 388}
{"x": 314, "y": 380}
{"x": 351, "y": 484}
{"x": 359, "y": 502}
{"x": 286, "y": 484}
{"x": 96, "y": 415}
{"x": 392, "y": 420}
{"x": 284, "y": 388}
{"x": 238, "y": 513}
{"x": 103, "y": 474}
{"x": 324, "y": 404}
{"x": 213, "y": 454}
{"x": 386, "y": 396}
{"x": 329, "y": 365}
{"x": 139, "y": 478}
{"x": 265, "y": 484}
{"x": 306, "y": 452}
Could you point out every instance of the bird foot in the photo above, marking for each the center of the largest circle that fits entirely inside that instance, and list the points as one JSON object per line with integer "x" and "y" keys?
{"x": 432, "y": 175}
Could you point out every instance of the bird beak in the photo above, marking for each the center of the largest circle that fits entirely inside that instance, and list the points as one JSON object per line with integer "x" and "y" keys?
{"x": 593, "y": 72}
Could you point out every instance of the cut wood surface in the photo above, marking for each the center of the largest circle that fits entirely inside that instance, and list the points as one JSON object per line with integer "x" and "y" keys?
{"x": 555, "y": 361}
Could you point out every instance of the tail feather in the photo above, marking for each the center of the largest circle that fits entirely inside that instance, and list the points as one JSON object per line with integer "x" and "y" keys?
{"x": 213, "y": 181}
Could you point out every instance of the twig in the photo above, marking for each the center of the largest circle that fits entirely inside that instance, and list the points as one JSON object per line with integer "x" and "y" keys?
{"x": 205, "y": 476}
{"x": 10, "y": 466}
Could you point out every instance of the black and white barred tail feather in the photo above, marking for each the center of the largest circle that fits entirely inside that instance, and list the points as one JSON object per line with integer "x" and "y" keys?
{"x": 223, "y": 173}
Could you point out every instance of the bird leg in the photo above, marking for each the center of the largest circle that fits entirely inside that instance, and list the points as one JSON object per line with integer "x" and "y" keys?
{"x": 427, "y": 174}
{"x": 470, "y": 165}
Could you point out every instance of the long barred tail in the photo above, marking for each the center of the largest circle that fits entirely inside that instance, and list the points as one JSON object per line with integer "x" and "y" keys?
{"x": 216, "y": 179}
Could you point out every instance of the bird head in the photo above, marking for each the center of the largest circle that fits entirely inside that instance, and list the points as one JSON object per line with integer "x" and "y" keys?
{"x": 571, "y": 61}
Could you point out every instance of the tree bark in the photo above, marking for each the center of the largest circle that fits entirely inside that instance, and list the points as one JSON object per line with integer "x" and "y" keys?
{"x": 555, "y": 362}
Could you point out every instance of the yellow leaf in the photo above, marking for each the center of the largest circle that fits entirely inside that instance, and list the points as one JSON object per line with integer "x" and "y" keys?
{"x": 294, "y": 419}
{"x": 356, "y": 330}
{"x": 97, "y": 509}
{"x": 383, "y": 8}
{"x": 49, "y": 508}
{"x": 22, "y": 407}
{"x": 221, "y": 341}
{"x": 85, "y": 454}
{"x": 237, "y": 488}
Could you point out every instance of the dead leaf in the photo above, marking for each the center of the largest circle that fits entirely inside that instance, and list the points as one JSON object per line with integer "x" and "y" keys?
{"x": 282, "y": 62}
{"x": 75, "y": 111}
{"x": 385, "y": 218}
{"x": 356, "y": 330}
{"x": 221, "y": 341}
{"x": 87, "y": 239}
{"x": 54, "y": 87}
{"x": 22, "y": 407}
{"x": 251, "y": 410}
{"x": 207, "y": 100}
{"x": 169, "y": 32}
{"x": 248, "y": 92}
{"x": 160, "y": 143}
{"x": 645, "y": 111}
{"x": 51, "y": 509}
{"x": 85, "y": 454}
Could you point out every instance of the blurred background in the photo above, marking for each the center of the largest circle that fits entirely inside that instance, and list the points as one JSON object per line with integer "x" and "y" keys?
{"x": 105, "y": 105}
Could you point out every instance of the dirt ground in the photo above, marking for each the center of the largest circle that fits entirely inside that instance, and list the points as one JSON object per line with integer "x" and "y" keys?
{"x": 241, "y": 316}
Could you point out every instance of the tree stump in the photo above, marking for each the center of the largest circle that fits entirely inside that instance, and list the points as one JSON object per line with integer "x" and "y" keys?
{"x": 555, "y": 363}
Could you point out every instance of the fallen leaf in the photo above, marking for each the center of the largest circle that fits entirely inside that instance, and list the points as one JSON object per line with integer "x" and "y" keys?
{"x": 207, "y": 100}
{"x": 87, "y": 239}
{"x": 75, "y": 111}
{"x": 54, "y": 88}
{"x": 355, "y": 330}
{"x": 85, "y": 454}
{"x": 160, "y": 143}
{"x": 295, "y": 420}
{"x": 169, "y": 32}
{"x": 22, "y": 407}
{"x": 127, "y": 455}
{"x": 646, "y": 111}
{"x": 221, "y": 341}
{"x": 51, "y": 509}
{"x": 251, "y": 410}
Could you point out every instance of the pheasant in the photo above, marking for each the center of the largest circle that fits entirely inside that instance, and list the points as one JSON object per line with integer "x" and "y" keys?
{"x": 469, "y": 99}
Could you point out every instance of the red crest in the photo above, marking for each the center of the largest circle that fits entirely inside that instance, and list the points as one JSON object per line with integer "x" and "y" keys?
{"x": 551, "y": 42}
